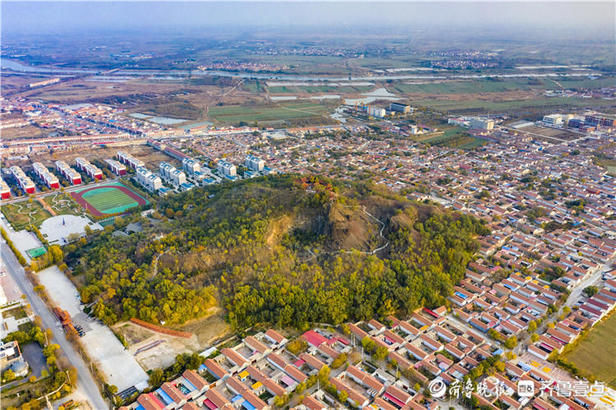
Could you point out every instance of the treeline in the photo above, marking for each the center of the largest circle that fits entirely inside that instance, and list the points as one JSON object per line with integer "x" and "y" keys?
{"x": 9, "y": 242}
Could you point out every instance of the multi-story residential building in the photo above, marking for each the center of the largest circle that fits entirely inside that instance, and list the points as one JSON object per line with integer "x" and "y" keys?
{"x": 24, "y": 182}
{"x": 48, "y": 178}
{"x": 172, "y": 175}
{"x": 5, "y": 191}
{"x": 128, "y": 159}
{"x": 86, "y": 166}
{"x": 116, "y": 167}
{"x": 148, "y": 180}
{"x": 226, "y": 168}
{"x": 254, "y": 163}
{"x": 191, "y": 166}
{"x": 69, "y": 173}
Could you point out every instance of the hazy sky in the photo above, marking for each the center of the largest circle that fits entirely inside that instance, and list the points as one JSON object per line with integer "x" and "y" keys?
{"x": 60, "y": 17}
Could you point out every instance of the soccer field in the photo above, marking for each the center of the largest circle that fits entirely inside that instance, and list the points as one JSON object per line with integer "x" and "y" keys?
{"x": 108, "y": 200}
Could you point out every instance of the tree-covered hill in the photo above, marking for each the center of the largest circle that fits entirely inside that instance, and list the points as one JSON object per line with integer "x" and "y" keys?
{"x": 281, "y": 249}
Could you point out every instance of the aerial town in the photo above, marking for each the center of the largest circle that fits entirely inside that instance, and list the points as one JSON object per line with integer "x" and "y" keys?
{"x": 283, "y": 223}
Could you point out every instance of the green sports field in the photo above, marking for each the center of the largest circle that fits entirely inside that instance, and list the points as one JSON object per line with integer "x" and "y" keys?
{"x": 109, "y": 200}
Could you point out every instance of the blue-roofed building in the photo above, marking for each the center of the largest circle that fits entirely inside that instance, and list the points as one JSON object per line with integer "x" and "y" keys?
{"x": 186, "y": 186}
{"x": 162, "y": 191}
{"x": 226, "y": 168}
{"x": 164, "y": 397}
{"x": 247, "y": 405}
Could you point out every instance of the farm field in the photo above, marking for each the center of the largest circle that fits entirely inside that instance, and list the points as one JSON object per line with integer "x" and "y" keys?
{"x": 500, "y": 85}
{"x": 586, "y": 83}
{"x": 597, "y": 352}
{"x": 108, "y": 199}
{"x": 511, "y": 105}
{"x": 25, "y": 213}
{"x": 317, "y": 89}
{"x": 452, "y": 137}
{"x": 468, "y": 87}
{"x": 28, "y": 131}
{"x": 235, "y": 114}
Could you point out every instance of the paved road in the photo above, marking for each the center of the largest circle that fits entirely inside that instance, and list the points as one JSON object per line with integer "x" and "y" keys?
{"x": 589, "y": 281}
{"x": 573, "y": 297}
{"x": 85, "y": 382}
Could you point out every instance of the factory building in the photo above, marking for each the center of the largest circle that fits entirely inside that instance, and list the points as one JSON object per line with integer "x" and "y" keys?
{"x": 44, "y": 83}
{"x": 5, "y": 191}
{"x": 25, "y": 183}
{"x": 553, "y": 119}
{"x": 191, "y": 166}
{"x": 255, "y": 164}
{"x": 116, "y": 167}
{"x": 226, "y": 168}
{"x": 92, "y": 171}
{"x": 128, "y": 159}
{"x": 376, "y": 112}
{"x": 600, "y": 119}
{"x": 69, "y": 173}
{"x": 481, "y": 124}
{"x": 398, "y": 107}
{"x": 148, "y": 180}
{"x": 172, "y": 175}
{"x": 575, "y": 123}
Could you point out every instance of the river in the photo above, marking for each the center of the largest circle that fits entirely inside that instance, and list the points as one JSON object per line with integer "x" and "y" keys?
{"x": 13, "y": 65}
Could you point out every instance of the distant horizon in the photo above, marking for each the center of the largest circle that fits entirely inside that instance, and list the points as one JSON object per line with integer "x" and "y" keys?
{"x": 552, "y": 19}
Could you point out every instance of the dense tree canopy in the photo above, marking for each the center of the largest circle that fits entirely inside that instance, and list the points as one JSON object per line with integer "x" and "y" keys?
{"x": 279, "y": 250}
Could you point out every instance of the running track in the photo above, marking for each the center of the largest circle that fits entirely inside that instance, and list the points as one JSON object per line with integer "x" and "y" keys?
{"x": 78, "y": 196}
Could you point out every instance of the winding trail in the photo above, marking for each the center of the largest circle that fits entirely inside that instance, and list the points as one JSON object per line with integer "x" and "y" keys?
{"x": 372, "y": 252}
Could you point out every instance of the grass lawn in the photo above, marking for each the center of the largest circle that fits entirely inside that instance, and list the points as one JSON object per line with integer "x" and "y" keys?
{"x": 607, "y": 163}
{"x": 63, "y": 204}
{"x": 596, "y": 353}
{"x": 233, "y": 114}
{"x": 25, "y": 213}
{"x": 109, "y": 200}
{"x": 15, "y": 396}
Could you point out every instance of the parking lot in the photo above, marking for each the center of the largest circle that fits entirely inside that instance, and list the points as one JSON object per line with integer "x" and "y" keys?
{"x": 117, "y": 364}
